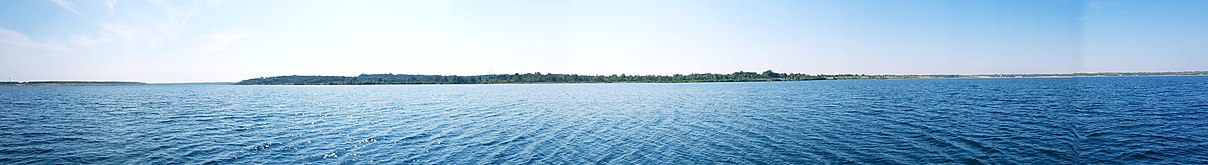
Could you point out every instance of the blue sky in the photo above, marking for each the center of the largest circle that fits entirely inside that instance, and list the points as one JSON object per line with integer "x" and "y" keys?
{"x": 213, "y": 40}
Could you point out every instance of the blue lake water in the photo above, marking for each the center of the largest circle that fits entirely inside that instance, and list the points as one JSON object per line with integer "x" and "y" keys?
{"x": 1109, "y": 120}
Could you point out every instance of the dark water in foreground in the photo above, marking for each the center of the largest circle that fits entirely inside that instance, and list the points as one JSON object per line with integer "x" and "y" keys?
{"x": 1048, "y": 121}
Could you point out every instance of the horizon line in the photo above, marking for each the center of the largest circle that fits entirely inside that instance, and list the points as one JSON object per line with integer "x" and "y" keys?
{"x": 182, "y": 82}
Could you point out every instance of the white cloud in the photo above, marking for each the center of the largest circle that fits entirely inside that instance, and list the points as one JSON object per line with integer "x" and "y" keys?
{"x": 125, "y": 31}
{"x": 1100, "y": 4}
{"x": 219, "y": 41}
{"x": 213, "y": 3}
{"x": 164, "y": 22}
{"x": 85, "y": 41}
{"x": 111, "y": 4}
{"x": 17, "y": 39}
{"x": 66, "y": 5}
{"x": 177, "y": 18}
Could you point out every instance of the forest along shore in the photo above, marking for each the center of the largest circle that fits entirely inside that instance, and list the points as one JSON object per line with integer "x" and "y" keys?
{"x": 538, "y": 77}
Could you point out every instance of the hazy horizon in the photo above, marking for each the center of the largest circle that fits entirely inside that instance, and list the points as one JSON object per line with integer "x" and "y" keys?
{"x": 194, "y": 82}
{"x": 228, "y": 41}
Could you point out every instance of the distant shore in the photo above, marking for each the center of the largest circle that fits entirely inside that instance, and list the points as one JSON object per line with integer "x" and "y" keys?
{"x": 539, "y": 78}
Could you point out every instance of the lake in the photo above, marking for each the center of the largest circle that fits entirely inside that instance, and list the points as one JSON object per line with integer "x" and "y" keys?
{"x": 1094, "y": 120}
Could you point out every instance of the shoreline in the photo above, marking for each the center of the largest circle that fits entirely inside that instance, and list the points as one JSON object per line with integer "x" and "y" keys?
{"x": 865, "y": 77}
{"x": 390, "y": 79}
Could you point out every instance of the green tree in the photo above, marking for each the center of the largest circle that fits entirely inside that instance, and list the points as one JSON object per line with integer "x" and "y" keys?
{"x": 771, "y": 74}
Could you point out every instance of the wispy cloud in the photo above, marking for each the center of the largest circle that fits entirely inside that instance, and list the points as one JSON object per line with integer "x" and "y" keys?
{"x": 19, "y": 40}
{"x": 126, "y": 32}
{"x": 1100, "y": 4}
{"x": 219, "y": 41}
{"x": 87, "y": 41}
{"x": 177, "y": 17}
{"x": 163, "y": 22}
{"x": 213, "y": 3}
{"x": 111, "y": 4}
{"x": 66, "y": 5}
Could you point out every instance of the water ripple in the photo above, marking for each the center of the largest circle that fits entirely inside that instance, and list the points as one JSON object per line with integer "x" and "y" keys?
{"x": 1132, "y": 120}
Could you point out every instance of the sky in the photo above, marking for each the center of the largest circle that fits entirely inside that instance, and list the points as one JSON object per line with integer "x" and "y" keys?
{"x": 227, "y": 41}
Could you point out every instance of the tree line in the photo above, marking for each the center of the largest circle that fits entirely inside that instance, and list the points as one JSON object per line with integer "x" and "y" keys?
{"x": 538, "y": 77}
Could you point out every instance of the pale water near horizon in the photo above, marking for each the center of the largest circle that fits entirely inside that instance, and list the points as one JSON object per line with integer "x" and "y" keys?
{"x": 1108, "y": 120}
